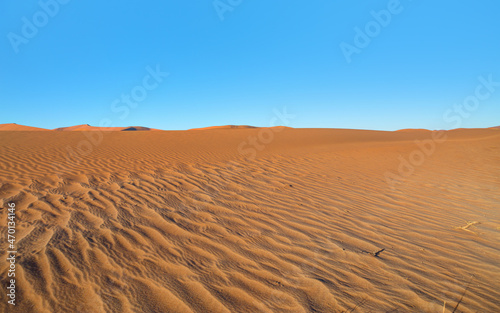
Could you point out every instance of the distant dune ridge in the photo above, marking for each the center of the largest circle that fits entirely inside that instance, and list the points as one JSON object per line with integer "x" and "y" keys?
{"x": 225, "y": 127}
{"x": 413, "y": 130}
{"x": 87, "y": 127}
{"x": 16, "y": 127}
{"x": 252, "y": 220}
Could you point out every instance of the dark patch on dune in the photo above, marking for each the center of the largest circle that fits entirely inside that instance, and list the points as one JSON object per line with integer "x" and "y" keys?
{"x": 136, "y": 128}
{"x": 225, "y": 127}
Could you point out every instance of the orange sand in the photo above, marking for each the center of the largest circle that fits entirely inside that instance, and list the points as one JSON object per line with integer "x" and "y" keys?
{"x": 205, "y": 222}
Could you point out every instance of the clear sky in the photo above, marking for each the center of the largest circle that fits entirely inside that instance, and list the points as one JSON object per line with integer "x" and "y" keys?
{"x": 330, "y": 63}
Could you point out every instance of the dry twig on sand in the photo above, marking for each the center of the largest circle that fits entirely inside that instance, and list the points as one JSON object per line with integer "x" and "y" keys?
{"x": 469, "y": 224}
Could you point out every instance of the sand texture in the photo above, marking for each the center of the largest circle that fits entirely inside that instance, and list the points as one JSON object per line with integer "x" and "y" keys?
{"x": 207, "y": 221}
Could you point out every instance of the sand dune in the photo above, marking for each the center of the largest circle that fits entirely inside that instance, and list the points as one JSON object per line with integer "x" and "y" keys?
{"x": 138, "y": 128}
{"x": 87, "y": 127}
{"x": 16, "y": 127}
{"x": 254, "y": 220}
{"x": 238, "y": 127}
{"x": 225, "y": 127}
{"x": 413, "y": 130}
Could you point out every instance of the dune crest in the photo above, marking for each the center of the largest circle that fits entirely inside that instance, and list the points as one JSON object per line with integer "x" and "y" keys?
{"x": 413, "y": 130}
{"x": 16, "y": 127}
{"x": 224, "y": 127}
{"x": 87, "y": 127}
{"x": 137, "y": 128}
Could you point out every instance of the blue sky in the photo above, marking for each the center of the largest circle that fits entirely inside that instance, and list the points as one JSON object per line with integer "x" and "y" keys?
{"x": 238, "y": 63}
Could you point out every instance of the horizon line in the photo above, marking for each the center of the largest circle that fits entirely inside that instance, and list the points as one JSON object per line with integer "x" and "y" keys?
{"x": 88, "y": 127}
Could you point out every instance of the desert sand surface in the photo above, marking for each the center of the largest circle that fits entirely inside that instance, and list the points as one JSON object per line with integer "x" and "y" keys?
{"x": 252, "y": 220}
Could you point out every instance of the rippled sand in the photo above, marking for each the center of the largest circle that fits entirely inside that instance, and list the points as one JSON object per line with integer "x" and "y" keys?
{"x": 202, "y": 221}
